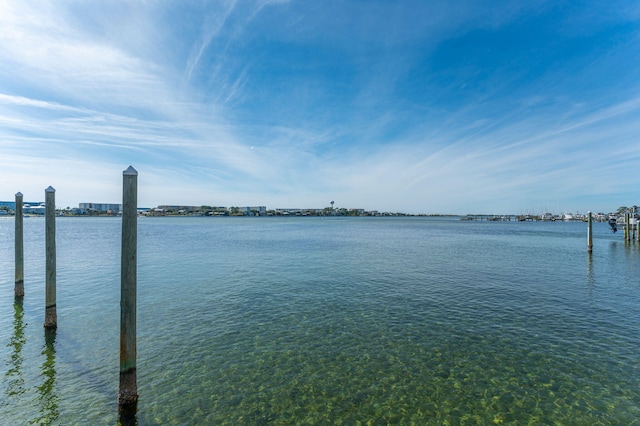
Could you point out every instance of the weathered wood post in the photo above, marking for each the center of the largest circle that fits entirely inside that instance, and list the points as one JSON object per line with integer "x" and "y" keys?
{"x": 19, "y": 247}
{"x": 50, "y": 315}
{"x": 589, "y": 233}
{"x": 625, "y": 227}
{"x": 627, "y": 231}
{"x": 128, "y": 392}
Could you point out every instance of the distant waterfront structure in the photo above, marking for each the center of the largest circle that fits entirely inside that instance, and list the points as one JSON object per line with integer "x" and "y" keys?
{"x": 253, "y": 211}
{"x": 7, "y": 208}
{"x": 35, "y": 209}
{"x": 176, "y": 208}
{"x": 298, "y": 212}
{"x": 12, "y": 204}
{"x": 181, "y": 210}
{"x": 101, "y": 207}
{"x": 172, "y": 210}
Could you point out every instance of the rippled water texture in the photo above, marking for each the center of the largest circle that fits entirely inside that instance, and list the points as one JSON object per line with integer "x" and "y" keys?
{"x": 328, "y": 321}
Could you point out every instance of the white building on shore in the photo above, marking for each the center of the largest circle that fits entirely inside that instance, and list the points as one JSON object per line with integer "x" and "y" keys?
{"x": 101, "y": 207}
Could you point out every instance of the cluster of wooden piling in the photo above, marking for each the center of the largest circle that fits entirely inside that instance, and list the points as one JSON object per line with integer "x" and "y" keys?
{"x": 631, "y": 231}
{"x": 128, "y": 388}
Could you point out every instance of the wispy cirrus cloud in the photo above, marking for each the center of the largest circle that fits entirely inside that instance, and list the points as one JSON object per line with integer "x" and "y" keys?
{"x": 413, "y": 106}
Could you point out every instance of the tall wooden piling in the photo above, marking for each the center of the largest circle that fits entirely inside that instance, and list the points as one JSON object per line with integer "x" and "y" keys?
{"x": 50, "y": 315}
{"x": 589, "y": 233}
{"x": 128, "y": 391}
{"x": 19, "y": 247}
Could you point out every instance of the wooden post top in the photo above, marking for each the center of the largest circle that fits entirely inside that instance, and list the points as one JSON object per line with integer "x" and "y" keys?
{"x": 130, "y": 172}
{"x": 50, "y": 189}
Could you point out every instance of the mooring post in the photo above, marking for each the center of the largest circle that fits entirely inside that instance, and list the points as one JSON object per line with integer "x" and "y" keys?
{"x": 627, "y": 231}
{"x": 589, "y": 233}
{"x": 19, "y": 247}
{"x": 128, "y": 392}
{"x": 50, "y": 315}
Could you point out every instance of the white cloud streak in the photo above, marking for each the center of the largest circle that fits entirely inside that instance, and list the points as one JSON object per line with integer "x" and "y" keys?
{"x": 78, "y": 105}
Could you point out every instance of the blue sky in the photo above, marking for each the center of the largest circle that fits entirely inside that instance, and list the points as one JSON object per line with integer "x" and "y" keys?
{"x": 422, "y": 107}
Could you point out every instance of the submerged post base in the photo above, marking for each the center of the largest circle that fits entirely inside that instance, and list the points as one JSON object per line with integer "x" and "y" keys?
{"x": 51, "y": 317}
{"x": 19, "y": 289}
{"x": 128, "y": 393}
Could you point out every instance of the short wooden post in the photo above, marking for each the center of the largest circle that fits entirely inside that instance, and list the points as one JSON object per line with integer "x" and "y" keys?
{"x": 19, "y": 247}
{"x": 128, "y": 392}
{"x": 625, "y": 227}
{"x": 50, "y": 315}
{"x": 627, "y": 231}
{"x": 589, "y": 233}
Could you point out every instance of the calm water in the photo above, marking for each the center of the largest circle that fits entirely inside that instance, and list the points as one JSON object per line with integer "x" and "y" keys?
{"x": 328, "y": 321}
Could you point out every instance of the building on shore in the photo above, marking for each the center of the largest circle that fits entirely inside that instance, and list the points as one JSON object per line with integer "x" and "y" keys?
{"x": 12, "y": 204}
{"x": 176, "y": 208}
{"x": 253, "y": 211}
{"x": 35, "y": 209}
{"x": 101, "y": 207}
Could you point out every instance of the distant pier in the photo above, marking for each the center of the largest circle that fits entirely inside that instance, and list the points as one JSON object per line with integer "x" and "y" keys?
{"x": 546, "y": 217}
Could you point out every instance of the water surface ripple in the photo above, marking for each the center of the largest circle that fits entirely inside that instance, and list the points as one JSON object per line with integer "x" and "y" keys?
{"x": 328, "y": 321}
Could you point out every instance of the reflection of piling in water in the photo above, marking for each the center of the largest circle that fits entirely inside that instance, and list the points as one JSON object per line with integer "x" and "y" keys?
{"x": 19, "y": 247}
{"x": 14, "y": 374}
{"x": 50, "y": 316}
{"x": 128, "y": 391}
{"x": 47, "y": 394}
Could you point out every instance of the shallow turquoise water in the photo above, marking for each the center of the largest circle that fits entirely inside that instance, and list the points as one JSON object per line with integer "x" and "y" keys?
{"x": 328, "y": 321}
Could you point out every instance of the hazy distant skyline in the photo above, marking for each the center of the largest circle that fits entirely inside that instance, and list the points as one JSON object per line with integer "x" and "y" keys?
{"x": 421, "y": 107}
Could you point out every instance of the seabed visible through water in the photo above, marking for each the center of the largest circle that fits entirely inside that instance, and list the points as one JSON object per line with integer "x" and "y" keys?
{"x": 328, "y": 321}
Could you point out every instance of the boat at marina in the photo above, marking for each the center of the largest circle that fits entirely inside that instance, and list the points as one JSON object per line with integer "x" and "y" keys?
{"x": 633, "y": 221}
{"x": 547, "y": 217}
